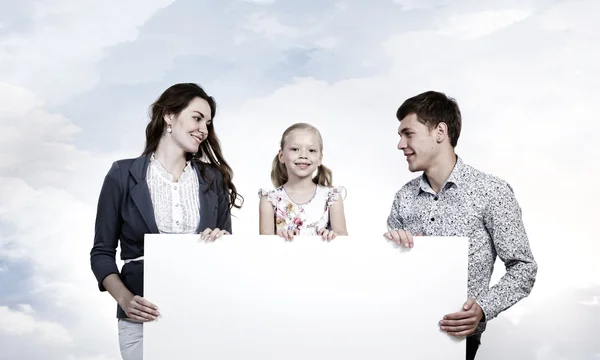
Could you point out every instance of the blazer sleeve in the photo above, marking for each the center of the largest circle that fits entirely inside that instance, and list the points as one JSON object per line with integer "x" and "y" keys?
{"x": 108, "y": 226}
{"x": 223, "y": 210}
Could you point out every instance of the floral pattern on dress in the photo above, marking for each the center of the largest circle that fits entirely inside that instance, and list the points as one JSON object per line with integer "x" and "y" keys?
{"x": 305, "y": 219}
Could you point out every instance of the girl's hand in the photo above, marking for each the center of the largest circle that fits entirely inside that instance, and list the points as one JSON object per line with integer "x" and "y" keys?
{"x": 139, "y": 309}
{"x": 327, "y": 235}
{"x": 286, "y": 235}
{"x": 211, "y": 235}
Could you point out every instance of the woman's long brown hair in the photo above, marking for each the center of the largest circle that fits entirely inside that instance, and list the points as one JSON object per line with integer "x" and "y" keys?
{"x": 173, "y": 101}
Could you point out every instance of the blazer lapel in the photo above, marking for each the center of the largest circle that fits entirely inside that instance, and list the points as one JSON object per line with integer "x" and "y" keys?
{"x": 208, "y": 204}
{"x": 141, "y": 194}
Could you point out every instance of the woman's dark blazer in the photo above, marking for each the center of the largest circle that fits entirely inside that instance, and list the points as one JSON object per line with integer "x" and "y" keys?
{"x": 125, "y": 214}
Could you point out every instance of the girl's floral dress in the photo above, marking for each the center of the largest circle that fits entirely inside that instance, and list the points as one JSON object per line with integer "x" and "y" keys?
{"x": 305, "y": 219}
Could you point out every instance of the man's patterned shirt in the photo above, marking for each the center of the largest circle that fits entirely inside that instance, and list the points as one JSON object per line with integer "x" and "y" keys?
{"x": 483, "y": 208}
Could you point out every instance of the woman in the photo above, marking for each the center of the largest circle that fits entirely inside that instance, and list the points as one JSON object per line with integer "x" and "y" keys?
{"x": 180, "y": 184}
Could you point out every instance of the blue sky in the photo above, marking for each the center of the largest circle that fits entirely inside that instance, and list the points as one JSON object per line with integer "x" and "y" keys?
{"x": 77, "y": 77}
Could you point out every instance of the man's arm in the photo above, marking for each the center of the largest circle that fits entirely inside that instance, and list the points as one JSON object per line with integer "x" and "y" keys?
{"x": 394, "y": 220}
{"x": 504, "y": 223}
{"x": 396, "y": 224}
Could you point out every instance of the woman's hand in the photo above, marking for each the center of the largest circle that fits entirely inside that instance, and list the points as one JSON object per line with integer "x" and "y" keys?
{"x": 211, "y": 235}
{"x": 139, "y": 309}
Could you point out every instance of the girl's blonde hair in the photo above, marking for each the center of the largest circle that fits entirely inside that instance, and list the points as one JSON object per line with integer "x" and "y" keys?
{"x": 279, "y": 175}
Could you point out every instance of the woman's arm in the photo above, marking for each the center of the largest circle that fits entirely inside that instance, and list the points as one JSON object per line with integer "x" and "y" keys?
{"x": 136, "y": 307}
{"x": 115, "y": 287}
{"x": 102, "y": 255}
{"x": 108, "y": 228}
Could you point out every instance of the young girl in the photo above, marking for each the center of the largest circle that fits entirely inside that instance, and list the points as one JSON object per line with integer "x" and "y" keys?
{"x": 301, "y": 204}
{"x": 180, "y": 184}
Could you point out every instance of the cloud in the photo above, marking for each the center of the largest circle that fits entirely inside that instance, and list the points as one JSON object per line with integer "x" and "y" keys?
{"x": 249, "y": 58}
{"x": 328, "y": 42}
{"x": 48, "y": 186}
{"x": 70, "y": 37}
{"x": 407, "y": 5}
{"x": 573, "y": 17}
{"x": 52, "y": 231}
{"x": 481, "y": 23}
{"x": 260, "y": 2}
{"x": 19, "y": 323}
{"x": 32, "y": 136}
{"x": 594, "y": 301}
{"x": 269, "y": 26}
{"x": 14, "y": 16}
{"x": 36, "y": 149}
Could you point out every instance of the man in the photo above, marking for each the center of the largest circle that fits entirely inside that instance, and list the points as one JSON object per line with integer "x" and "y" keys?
{"x": 452, "y": 198}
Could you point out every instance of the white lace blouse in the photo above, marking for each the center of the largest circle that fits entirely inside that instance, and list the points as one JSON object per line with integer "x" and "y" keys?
{"x": 176, "y": 203}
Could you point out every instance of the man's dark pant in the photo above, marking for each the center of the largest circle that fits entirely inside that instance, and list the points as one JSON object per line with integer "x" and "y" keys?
{"x": 473, "y": 343}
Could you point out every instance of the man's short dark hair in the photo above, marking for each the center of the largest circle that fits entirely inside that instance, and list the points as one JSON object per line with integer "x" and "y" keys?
{"x": 432, "y": 108}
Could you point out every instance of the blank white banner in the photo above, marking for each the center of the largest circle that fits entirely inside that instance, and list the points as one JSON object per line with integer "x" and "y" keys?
{"x": 261, "y": 298}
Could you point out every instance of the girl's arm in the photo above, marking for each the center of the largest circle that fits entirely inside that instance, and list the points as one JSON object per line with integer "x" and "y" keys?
{"x": 266, "y": 217}
{"x": 337, "y": 217}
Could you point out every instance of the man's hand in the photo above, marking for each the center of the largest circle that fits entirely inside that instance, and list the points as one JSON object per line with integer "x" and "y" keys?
{"x": 464, "y": 322}
{"x": 400, "y": 237}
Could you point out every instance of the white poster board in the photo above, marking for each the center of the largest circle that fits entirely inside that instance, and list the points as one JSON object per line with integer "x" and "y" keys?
{"x": 261, "y": 298}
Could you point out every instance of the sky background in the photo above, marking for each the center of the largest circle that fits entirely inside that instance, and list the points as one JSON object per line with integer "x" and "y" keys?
{"x": 77, "y": 78}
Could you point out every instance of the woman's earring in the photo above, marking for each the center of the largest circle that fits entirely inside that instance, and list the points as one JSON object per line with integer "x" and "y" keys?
{"x": 169, "y": 128}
